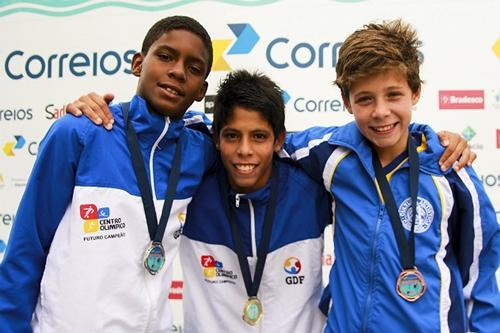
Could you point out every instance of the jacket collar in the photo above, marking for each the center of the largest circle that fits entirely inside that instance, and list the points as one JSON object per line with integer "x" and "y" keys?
{"x": 430, "y": 149}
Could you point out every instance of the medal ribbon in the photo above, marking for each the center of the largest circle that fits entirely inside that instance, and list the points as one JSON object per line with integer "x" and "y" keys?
{"x": 406, "y": 247}
{"x": 252, "y": 287}
{"x": 156, "y": 230}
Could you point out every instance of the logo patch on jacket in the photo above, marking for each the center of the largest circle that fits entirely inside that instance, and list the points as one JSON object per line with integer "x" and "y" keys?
{"x": 425, "y": 215}
{"x": 293, "y": 266}
{"x": 214, "y": 271}
{"x": 98, "y": 223}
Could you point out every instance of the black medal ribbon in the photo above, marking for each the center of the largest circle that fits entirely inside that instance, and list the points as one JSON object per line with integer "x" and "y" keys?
{"x": 252, "y": 286}
{"x": 156, "y": 230}
{"x": 406, "y": 246}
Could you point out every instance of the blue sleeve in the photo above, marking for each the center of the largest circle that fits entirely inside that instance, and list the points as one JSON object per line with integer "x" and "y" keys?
{"x": 198, "y": 121}
{"x": 477, "y": 245}
{"x": 47, "y": 195}
{"x": 309, "y": 149}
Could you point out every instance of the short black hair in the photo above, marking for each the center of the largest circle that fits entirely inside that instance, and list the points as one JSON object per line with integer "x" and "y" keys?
{"x": 254, "y": 91}
{"x": 179, "y": 23}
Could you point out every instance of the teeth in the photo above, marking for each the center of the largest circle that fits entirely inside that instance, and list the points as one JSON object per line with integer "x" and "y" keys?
{"x": 245, "y": 167}
{"x": 172, "y": 91}
{"x": 383, "y": 128}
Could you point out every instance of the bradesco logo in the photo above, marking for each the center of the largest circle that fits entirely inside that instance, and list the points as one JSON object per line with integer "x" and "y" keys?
{"x": 461, "y": 99}
{"x": 280, "y": 52}
{"x": 498, "y": 138}
{"x": 19, "y": 65}
{"x": 98, "y": 221}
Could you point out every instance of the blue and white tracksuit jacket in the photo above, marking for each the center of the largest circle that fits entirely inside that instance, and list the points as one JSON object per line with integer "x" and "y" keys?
{"x": 214, "y": 292}
{"x": 457, "y": 240}
{"x": 75, "y": 255}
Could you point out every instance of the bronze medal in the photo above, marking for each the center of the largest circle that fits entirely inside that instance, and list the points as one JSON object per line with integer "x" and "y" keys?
{"x": 411, "y": 285}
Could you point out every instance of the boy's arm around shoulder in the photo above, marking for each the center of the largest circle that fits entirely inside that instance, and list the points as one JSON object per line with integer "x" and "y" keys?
{"x": 302, "y": 147}
{"x": 44, "y": 202}
{"x": 478, "y": 244}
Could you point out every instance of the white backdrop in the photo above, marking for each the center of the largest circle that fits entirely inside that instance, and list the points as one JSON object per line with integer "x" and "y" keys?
{"x": 51, "y": 53}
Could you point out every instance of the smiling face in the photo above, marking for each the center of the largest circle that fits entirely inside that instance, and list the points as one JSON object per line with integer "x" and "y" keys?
{"x": 247, "y": 144}
{"x": 172, "y": 73}
{"x": 381, "y": 105}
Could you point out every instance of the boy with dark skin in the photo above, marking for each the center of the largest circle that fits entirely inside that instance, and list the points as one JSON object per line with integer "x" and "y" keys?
{"x": 81, "y": 255}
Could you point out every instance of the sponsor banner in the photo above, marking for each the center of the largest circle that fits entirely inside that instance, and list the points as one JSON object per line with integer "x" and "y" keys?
{"x": 461, "y": 99}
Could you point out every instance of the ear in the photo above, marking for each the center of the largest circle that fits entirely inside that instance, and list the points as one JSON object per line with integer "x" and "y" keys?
{"x": 416, "y": 96}
{"x": 202, "y": 92}
{"x": 347, "y": 104}
{"x": 137, "y": 60}
{"x": 278, "y": 143}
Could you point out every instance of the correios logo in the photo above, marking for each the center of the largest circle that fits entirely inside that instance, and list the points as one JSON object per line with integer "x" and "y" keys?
{"x": 9, "y": 147}
{"x": 461, "y": 99}
{"x": 281, "y": 52}
{"x": 244, "y": 44}
{"x": 304, "y": 104}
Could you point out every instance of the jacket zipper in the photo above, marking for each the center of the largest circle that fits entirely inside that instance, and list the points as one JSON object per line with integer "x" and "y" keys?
{"x": 151, "y": 158}
{"x": 153, "y": 191}
{"x": 372, "y": 268}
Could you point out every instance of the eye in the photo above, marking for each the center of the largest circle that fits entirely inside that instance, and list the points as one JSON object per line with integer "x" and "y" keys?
{"x": 260, "y": 136}
{"x": 363, "y": 100}
{"x": 196, "y": 70}
{"x": 165, "y": 57}
{"x": 394, "y": 94}
{"x": 230, "y": 136}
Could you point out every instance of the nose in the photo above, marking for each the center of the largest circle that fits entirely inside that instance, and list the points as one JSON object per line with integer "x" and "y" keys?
{"x": 380, "y": 109}
{"x": 245, "y": 147}
{"x": 177, "y": 71}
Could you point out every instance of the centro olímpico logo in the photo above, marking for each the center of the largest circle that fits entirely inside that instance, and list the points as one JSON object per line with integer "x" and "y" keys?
{"x": 214, "y": 271}
{"x": 99, "y": 224}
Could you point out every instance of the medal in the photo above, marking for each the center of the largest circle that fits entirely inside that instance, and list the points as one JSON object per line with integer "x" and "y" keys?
{"x": 154, "y": 258}
{"x": 410, "y": 285}
{"x": 252, "y": 311}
